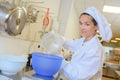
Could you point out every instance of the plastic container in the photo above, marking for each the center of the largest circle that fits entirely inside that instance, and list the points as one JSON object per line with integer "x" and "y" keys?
{"x": 46, "y": 64}
{"x": 12, "y": 64}
{"x": 52, "y": 43}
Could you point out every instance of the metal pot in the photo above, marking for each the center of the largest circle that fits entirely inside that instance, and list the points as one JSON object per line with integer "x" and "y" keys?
{"x": 4, "y": 14}
{"x": 16, "y": 21}
{"x": 12, "y": 18}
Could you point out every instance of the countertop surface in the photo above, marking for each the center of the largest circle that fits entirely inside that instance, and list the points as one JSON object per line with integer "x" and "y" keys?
{"x": 26, "y": 76}
{"x": 18, "y": 76}
{"x": 117, "y": 72}
{"x": 11, "y": 77}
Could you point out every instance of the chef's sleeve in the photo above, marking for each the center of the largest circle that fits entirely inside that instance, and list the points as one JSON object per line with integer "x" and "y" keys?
{"x": 85, "y": 68}
{"x": 71, "y": 45}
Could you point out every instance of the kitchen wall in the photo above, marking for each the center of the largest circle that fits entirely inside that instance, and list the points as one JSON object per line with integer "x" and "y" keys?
{"x": 63, "y": 20}
{"x": 69, "y": 22}
{"x": 32, "y": 31}
{"x": 72, "y": 30}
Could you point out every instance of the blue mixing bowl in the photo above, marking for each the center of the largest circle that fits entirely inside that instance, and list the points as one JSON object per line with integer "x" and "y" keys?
{"x": 46, "y": 64}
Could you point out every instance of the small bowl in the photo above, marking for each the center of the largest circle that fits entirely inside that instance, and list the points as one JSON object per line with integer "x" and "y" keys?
{"x": 46, "y": 64}
{"x": 11, "y": 64}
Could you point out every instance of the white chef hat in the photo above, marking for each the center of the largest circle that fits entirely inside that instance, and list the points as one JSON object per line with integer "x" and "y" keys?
{"x": 103, "y": 25}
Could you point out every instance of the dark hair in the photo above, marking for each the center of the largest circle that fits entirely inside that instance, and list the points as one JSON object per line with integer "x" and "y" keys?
{"x": 93, "y": 20}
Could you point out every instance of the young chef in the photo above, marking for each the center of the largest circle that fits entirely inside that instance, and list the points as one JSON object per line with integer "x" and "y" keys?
{"x": 87, "y": 60}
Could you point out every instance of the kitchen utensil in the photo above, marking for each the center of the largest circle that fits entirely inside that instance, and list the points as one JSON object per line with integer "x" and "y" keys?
{"x": 45, "y": 22}
{"x": 45, "y": 65}
{"x": 17, "y": 18}
{"x": 32, "y": 14}
{"x": 51, "y": 42}
{"x": 12, "y": 18}
{"x": 4, "y": 13}
{"x": 12, "y": 64}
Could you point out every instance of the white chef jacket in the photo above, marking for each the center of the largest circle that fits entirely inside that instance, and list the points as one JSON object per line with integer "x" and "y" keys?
{"x": 86, "y": 62}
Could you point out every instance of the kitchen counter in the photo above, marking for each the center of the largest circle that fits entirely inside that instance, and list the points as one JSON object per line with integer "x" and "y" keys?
{"x": 18, "y": 76}
{"x": 26, "y": 76}
{"x": 109, "y": 69}
{"x": 31, "y": 72}
{"x": 11, "y": 77}
{"x": 117, "y": 75}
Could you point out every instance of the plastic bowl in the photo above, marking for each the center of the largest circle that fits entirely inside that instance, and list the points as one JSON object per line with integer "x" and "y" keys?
{"x": 11, "y": 64}
{"x": 46, "y": 64}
